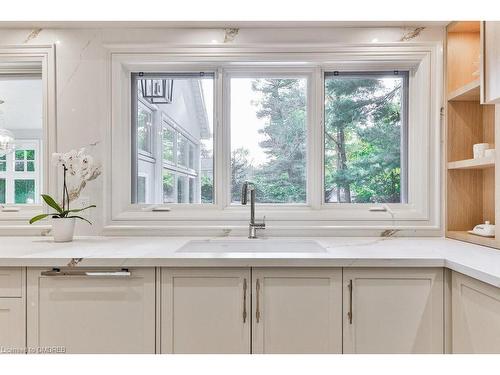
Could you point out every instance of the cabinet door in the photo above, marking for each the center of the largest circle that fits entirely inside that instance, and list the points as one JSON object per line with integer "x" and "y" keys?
{"x": 396, "y": 310}
{"x": 297, "y": 310}
{"x": 96, "y": 313}
{"x": 491, "y": 61}
{"x": 12, "y": 325}
{"x": 475, "y": 316}
{"x": 12, "y": 282}
{"x": 205, "y": 310}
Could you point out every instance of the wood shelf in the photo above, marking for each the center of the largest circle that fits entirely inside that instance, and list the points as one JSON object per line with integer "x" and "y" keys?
{"x": 472, "y": 195}
{"x": 467, "y": 93}
{"x": 481, "y": 163}
{"x": 467, "y": 237}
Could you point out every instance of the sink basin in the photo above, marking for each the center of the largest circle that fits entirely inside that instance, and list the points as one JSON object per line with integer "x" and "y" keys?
{"x": 252, "y": 246}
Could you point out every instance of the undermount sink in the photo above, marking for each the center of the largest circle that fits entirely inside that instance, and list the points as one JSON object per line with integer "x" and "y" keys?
{"x": 252, "y": 246}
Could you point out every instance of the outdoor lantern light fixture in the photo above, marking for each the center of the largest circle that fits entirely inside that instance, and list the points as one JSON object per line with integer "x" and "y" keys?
{"x": 156, "y": 90}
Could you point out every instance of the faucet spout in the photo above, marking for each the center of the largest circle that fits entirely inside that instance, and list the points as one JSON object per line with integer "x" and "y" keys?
{"x": 252, "y": 226}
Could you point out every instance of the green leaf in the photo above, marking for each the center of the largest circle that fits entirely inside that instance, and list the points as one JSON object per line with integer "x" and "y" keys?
{"x": 79, "y": 217}
{"x": 52, "y": 203}
{"x": 81, "y": 209}
{"x": 38, "y": 217}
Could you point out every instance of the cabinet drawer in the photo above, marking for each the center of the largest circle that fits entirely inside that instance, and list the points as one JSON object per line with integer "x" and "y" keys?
{"x": 12, "y": 325}
{"x": 11, "y": 282}
{"x": 92, "y": 313}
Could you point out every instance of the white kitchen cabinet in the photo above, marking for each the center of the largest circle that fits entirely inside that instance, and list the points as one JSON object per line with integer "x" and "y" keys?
{"x": 393, "y": 310}
{"x": 491, "y": 61}
{"x": 475, "y": 316}
{"x": 205, "y": 310}
{"x": 12, "y": 310}
{"x": 297, "y": 310}
{"x": 12, "y": 325}
{"x": 96, "y": 312}
{"x": 12, "y": 282}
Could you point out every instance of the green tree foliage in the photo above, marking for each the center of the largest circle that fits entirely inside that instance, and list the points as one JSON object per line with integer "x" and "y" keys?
{"x": 362, "y": 140}
{"x": 282, "y": 178}
{"x": 207, "y": 189}
{"x": 240, "y": 170}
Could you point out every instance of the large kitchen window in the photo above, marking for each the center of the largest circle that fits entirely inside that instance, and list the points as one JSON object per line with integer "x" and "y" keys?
{"x": 269, "y": 137}
{"x": 365, "y": 137}
{"x": 328, "y": 139}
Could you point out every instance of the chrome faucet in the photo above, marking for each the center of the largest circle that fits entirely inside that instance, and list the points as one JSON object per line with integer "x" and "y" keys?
{"x": 252, "y": 226}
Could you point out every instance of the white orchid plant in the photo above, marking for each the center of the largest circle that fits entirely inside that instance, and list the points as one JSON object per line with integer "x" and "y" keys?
{"x": 79, "y": 168}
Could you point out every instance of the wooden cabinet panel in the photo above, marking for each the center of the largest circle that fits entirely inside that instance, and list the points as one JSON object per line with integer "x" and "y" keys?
{"x": 297, "y": 310}
{"x": 396, "y": 310}
{"x": 475, "y": 316}
{"x": 203, "y": 310}
{"x": 11, "y": 282}
{"x": 491, "y": 60}
{"x": 92, "y": 314}
{"x": 12, "y": 325}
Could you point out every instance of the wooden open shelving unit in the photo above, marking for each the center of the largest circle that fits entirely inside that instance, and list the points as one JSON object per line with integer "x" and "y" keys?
{"x": 471, "y": 190}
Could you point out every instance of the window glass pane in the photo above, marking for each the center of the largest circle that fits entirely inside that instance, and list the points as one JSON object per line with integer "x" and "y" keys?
{"x": 21, "y": 112}
{"x": 191, "y": 156}
{"x": 2, "y": 190}
{"x": 24, "y": 191}
{"x": 191, "y": 190}
{"x": 182, "y": 151}
{"x": 168, "y": 187}
{"x": 168, "y": 144}
{"x": 185, "y": 140}
{"x": 141, "y": 189}
{"x": 19, "y": 166}
{"x": 30, "y": 154}
{"x": 269, "y": 137}
{"x": 364, "y": 128}
{"x": 182, "y": 189}
{"x": 144, "y": 128}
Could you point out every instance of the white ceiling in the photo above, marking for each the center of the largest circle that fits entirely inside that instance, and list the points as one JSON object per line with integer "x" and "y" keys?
{"x": 22, "y": 107}
{"x": 217, "y": 24}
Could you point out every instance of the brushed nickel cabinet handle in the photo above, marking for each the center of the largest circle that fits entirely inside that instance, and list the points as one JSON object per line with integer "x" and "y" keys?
{"x": 257, "y": 298}
{"x": 349, "y": 314}
{"x": 56, "y": 272}
{"x": 244, "y": 300}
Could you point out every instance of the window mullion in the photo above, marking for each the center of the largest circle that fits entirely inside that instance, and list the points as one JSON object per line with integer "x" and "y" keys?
{"x": 222, "y": 149}
{"x": 315, "y": 136}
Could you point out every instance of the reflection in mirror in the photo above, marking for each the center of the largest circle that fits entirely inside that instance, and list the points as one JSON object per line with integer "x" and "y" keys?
{"x": 21, "y": 117}
{"x": 172, "y": 138}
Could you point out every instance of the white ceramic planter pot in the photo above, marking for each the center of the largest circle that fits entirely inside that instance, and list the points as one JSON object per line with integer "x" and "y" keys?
{"x": 63, "y": 229}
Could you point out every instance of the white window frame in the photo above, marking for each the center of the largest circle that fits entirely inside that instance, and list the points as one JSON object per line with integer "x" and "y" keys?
{"x": 423, "y": 212}
{"x": 22, "y": 60}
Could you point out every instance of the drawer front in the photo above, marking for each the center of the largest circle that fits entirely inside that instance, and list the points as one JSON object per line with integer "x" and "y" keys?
{"x": 11, "y": 282}
{"x": 12, "y": 326}
{"x": 92, "y": 314}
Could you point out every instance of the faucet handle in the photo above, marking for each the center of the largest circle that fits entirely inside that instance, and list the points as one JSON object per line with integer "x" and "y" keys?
{"x": 262, "y": 224}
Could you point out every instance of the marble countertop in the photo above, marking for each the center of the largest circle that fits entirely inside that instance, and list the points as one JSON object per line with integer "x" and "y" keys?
{"x": 476, "y": 261}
